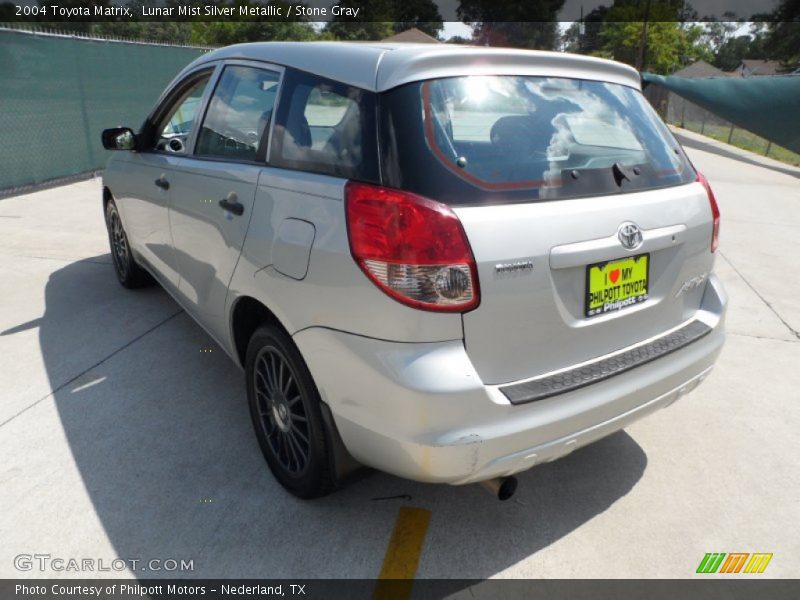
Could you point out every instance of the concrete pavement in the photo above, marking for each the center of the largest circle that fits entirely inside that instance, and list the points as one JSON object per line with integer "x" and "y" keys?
{"x": 121, "y": 436}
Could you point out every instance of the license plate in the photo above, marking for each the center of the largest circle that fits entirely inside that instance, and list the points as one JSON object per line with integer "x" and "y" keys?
{"x": 616, "y": 284}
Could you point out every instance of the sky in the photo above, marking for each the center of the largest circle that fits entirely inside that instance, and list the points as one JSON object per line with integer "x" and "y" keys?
{"x": 452, "y": 28}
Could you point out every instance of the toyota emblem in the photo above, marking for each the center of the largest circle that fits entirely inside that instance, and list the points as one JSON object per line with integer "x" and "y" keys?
{"x": 630, "y": 236}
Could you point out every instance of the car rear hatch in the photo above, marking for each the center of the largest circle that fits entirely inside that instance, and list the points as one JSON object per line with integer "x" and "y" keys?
{"x": 586, "y": 221}
{"x": 532, "y": 267}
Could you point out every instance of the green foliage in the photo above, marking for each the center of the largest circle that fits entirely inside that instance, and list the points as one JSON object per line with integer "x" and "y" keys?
{"x": 591, "y": 40}
{"x": 650, "y": 36}
{"x": 7, "y": 12}
{"x": 359, "y": 30}
{"x": 669, "y": 45}
{"x": 783, "y": 37}
{"x": 730, "y": 54}
{"x": 236, "y": 32}
{"x": 422, "y": 14}
{"x": 512, "y": 23}
{"x": 499, "y": 11}
{"x": 673, "y": 41}
{"x": 379, "y": 19}
{"x": 457, "y": 39}
{"x": 534, "y": 35}
{"x": 719, "y": 32}
{"x": 157, "y": 31}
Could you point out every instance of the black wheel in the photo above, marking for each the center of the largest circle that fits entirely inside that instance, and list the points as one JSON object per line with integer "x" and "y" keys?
{"x": 285, "y": 408}
{"x": 130, "y": 274}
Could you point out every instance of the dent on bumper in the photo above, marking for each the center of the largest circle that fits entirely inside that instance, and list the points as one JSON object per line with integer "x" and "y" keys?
{"x": 420, "y": 411}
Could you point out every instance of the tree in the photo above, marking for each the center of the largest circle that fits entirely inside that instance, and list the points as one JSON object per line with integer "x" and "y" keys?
{"x": 457, "y": 39}
{"x": 730, "y": 54}
{"x": 7, "y": 12}
{"x": 223, "y": 33}
{"x": 374, "y": 21}
{"x": 359, "y": 30}
{"x": 591, "y": 40}
{"x": 379, "y": 19}
{"x": 783, "y": 37}
{"x": 422, "y": 14}
{"x": 530, "y": 24}
{"x": 719, "y": 32}
{"x": 670, "y": 45}
{"x": 652, "y": 36}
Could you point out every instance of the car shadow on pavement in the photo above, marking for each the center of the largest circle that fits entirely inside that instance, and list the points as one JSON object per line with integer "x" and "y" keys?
{"x": 160, "y": 433}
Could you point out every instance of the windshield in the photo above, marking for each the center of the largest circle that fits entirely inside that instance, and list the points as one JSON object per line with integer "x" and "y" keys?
{"x": 545, "y": 137}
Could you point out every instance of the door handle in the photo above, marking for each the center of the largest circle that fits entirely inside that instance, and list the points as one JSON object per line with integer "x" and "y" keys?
{"x": 231, "y": 204}
{"x": 162, "y": 183}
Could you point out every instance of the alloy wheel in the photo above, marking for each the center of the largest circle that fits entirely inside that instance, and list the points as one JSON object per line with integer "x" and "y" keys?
{"x": 282, "y": 414}
{"x": 119, "y": 244}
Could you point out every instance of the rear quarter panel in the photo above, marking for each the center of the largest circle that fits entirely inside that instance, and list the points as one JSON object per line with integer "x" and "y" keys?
{"x": 335, "y": 293}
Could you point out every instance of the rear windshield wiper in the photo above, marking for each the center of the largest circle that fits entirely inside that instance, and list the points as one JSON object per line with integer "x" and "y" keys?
{"x": 622, "y": 173}
{"x": 604, "y": 179}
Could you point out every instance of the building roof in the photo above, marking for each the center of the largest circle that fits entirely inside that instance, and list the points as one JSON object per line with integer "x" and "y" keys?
{"x": 751, "y": 66}
{"x": 699, "y": 68}
{"x": 414, "y": 36}
{"x": 380, "y": 66}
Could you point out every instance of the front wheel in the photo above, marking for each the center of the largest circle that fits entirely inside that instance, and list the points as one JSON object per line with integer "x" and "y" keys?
{"x": 130, "y": 274}
{"x": 285, "y": 409}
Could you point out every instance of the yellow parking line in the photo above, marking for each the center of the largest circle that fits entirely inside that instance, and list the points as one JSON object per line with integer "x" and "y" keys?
{"x": 402, "y": 556}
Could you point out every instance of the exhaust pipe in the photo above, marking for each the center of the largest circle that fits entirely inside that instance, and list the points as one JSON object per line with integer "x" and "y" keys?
{"x": 501, "y": 487}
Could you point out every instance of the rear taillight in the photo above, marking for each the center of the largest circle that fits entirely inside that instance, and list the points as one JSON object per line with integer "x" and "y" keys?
{"x": 414, "y": 249}
{"x": 714, "y": 211}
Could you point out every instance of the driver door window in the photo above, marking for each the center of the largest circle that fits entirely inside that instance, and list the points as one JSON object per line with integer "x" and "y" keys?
{"x": 174, "y": 134}
{"x": 239, "y": 114}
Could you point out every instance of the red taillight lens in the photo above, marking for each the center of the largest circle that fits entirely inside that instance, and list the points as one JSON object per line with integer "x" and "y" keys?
{"x": 714, "y": 210}
{"x": 412, "y": 248}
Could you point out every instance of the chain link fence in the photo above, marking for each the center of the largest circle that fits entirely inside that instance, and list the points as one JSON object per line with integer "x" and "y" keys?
{"x": 678, "y": 111}
{"x": 58, "y": 92}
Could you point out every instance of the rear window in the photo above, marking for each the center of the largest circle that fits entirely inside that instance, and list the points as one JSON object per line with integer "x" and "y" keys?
{"x": 472, "y": 139}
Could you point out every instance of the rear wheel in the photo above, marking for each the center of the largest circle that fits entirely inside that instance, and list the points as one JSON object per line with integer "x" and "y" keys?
{"x": 285, "y": 408}
{"x": 130, "y": 274}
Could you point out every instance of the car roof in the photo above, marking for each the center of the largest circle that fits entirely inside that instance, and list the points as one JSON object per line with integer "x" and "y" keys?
{"x": 377, "y": 66}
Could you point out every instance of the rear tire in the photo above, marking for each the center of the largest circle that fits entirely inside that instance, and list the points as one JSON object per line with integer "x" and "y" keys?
{"x": 285, "y": 409}
{"x": 129, "y": 274}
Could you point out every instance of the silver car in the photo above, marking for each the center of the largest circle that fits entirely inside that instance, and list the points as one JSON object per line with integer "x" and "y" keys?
{"x": 448, "y": 263}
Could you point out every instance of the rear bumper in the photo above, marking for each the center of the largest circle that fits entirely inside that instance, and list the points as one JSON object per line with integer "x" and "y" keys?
{"x": 420, "y": 411}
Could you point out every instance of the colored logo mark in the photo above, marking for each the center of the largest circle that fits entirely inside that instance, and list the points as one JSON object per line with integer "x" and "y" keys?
{"x": 735, "y": 562}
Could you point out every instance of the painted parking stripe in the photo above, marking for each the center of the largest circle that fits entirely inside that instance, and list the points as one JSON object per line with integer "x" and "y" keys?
{"x": 402, "y": 554}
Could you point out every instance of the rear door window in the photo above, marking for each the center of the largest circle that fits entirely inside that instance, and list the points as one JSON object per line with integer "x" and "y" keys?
{"x": 325, "y": 127}
{"x": 537, "y": 137}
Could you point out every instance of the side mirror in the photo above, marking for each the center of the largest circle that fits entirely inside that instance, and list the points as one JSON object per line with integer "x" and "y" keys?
{"x": 119, "y": 138}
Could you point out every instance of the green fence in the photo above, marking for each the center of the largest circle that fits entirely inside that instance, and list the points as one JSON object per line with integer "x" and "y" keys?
{"x": 57, "y": 93}
{"x": 767, "y": 106}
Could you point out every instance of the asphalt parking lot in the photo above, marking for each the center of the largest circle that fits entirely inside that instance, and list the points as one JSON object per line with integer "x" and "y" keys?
{"x": 124, "y": 431}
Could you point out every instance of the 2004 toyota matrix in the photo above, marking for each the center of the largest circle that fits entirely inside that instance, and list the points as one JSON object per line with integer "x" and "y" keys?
{"x": 447, "y": 263}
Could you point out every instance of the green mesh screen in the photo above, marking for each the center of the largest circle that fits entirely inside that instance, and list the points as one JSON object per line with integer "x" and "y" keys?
{"x": 57, "y": 94}
{"x": 767, "y": 106}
